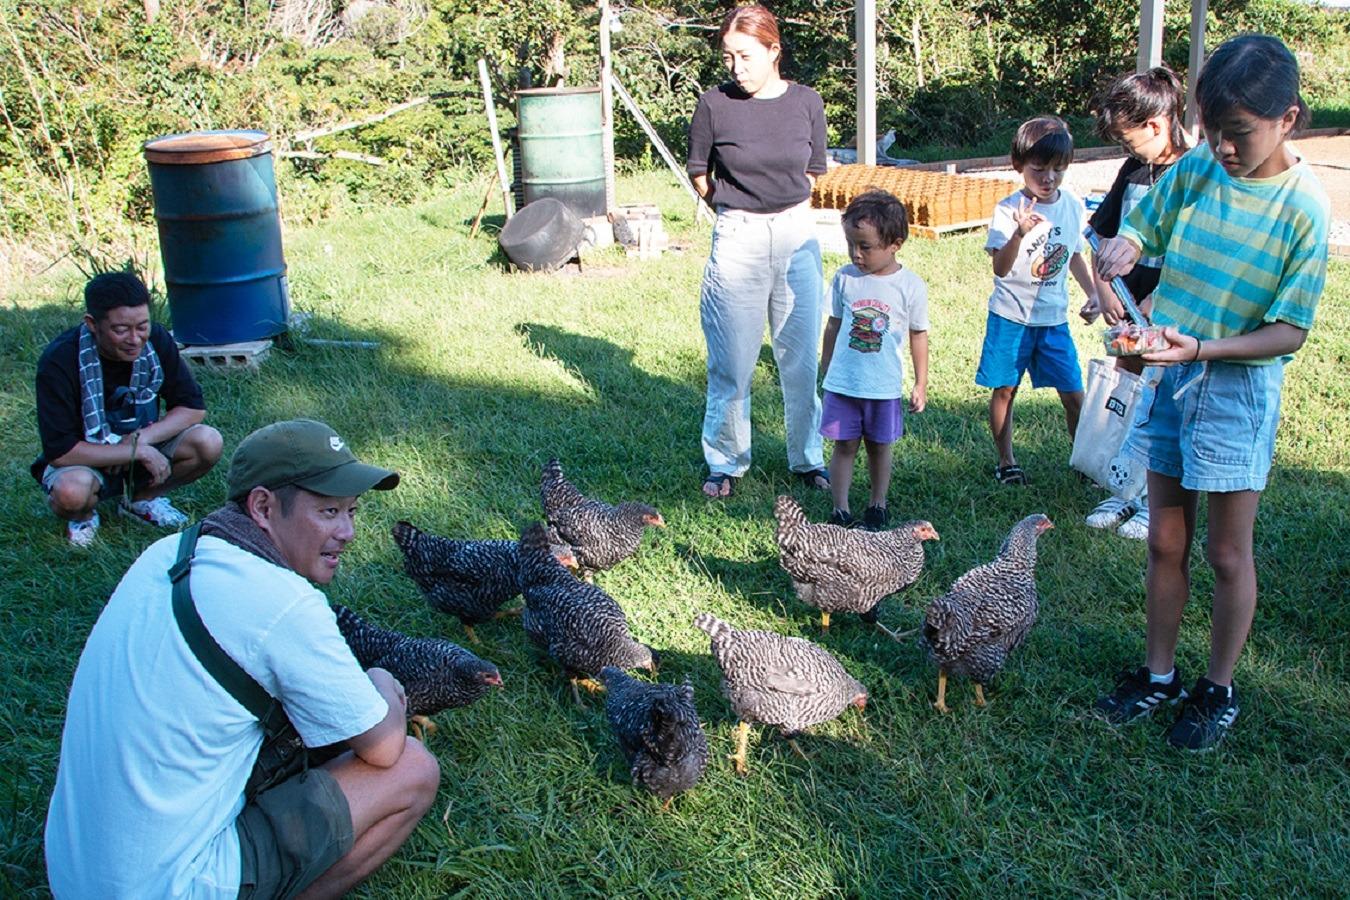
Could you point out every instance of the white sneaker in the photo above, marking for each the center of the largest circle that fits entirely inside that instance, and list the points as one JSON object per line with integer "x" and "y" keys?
{"x": 81, "y": 534}
{"x": 158, "y": 511}
{"x": 1136, "y": 526}
{"x": 1110, "y": 513}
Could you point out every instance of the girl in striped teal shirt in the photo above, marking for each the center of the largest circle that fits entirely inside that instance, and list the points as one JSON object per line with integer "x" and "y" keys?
{"x": 1243, "y": 224}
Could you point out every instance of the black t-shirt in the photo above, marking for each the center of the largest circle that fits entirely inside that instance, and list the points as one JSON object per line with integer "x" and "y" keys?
{"x": 1133, "y": 181}
{"x": 60, "y": 423}
{"x": 758, "y": 151}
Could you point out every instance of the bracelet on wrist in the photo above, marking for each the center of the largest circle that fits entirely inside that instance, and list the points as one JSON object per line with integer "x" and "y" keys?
{"x": 1196, "y": 357}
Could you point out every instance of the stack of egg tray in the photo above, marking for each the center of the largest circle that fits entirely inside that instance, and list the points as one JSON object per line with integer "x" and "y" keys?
{"x": 936, "y": 201}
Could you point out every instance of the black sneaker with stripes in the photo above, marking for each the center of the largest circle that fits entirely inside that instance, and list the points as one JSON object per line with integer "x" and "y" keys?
{"x": 1136, "y": 695}
{"x": 1205, "y": 717}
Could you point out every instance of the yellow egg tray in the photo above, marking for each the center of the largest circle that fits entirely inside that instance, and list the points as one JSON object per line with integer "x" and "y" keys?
{"x": 937, "y": 201}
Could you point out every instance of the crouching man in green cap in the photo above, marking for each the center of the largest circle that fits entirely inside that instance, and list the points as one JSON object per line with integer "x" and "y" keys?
{"x": 166, "y": 786}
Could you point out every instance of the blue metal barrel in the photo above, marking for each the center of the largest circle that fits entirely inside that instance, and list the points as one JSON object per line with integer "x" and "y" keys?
{"x": 219, "y": 235}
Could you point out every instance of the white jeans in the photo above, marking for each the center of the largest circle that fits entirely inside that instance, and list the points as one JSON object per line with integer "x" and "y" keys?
{"x": 762, "y": 266}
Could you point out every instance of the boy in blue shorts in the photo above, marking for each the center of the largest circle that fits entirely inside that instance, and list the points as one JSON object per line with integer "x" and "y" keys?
{"x": 1035, "y": 240}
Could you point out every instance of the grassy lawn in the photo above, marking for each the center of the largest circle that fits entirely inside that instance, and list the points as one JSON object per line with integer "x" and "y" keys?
{"x": 481, "y": 376}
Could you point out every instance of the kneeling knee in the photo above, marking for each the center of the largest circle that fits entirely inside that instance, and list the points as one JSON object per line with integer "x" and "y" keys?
{"x": 421, "y": 772}
{"x": 208, "y": 444}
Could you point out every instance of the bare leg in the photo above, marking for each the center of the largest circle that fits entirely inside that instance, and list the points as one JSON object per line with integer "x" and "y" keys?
{"x": 1232, "y": 518}
{"x": 196, "y": 454}
{"x": 841, "y": 471}
{"x": 1073, "y": 406}
{"x": 742, "y": 739}
{"x": 941, "y": 704}
{"x": 1000, "y": 423}
{"x": 879, "y": 459}
{"x": 386, "y": 804}
{"x": 74, "y": 495}
{"x": 1171, "y": 529}
{"x": 979, "y": 695}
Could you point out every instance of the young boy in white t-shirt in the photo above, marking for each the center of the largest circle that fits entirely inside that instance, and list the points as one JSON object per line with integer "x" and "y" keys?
{"x": 1035, "y": 240}
{"x": 864, "y": 372}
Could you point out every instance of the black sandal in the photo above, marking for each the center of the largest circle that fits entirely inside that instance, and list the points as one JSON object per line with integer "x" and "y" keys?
{"x": 809, "y": 479}
{"x": 719, "y": 479}
{"x": 1010, "y": 475}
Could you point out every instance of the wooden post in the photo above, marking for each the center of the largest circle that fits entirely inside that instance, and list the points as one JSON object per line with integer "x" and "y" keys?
{"x": 1199, "y": 10}
{"x": 607, "y": 104}
{"x": 507, "y": 200}
{"x": 1150, "y": 34}
{"x": 865, "y": 28}
{"x": 701, "y": 210}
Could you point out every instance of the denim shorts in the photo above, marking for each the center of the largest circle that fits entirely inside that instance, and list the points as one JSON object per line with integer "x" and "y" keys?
{"x": 1211, "y": 425}
{"x": 844, "y": 418}
{"x": 1012, "y": 349}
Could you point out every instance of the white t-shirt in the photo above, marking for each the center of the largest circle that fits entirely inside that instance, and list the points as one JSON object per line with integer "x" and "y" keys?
{"x": 877, "y": 313}
{"x": 1036, "y": 289}
{"x": 155, "y": 753}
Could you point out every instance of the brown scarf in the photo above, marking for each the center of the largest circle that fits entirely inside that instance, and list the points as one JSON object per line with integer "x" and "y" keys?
{"x": 232, "y": 525}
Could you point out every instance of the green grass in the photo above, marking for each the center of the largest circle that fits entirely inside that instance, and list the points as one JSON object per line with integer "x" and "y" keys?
{"x": 482, "y": 375}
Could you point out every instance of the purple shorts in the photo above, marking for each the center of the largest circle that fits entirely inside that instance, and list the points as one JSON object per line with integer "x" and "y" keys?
{"x": 849, "y": 418}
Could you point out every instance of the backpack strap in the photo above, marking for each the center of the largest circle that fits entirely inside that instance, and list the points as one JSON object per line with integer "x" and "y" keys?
{"x": 216, "y": 661}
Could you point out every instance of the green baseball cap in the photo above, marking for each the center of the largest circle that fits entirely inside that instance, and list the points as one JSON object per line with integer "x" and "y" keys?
{"x": 307, "y": 454}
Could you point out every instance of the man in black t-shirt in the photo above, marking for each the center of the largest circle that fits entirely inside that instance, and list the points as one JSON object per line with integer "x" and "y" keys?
{"x": 100, "y": 386}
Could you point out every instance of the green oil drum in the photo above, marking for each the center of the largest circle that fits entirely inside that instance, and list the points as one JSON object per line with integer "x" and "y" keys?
{"x": 561, "y": 148}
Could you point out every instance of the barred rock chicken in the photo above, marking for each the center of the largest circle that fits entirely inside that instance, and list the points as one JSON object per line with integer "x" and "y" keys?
{"x": 466, "y": 579}
{"x": 658, "y": 730}
{"x": 581, "y": 626}
{"x": 435, "y": 673}
{"x": 837, "y": 569}
{"x": 775, "y": 680}
{"x": 971, "y": 629}
{"x": 601, "y": 536}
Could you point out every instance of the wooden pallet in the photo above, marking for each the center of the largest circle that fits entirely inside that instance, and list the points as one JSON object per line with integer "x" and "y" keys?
{"x": 246, "y": 355}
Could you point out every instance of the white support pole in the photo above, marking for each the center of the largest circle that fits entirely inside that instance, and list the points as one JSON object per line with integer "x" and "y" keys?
{"x": 865, "y": 28}
{"x": 507, "y": 200}
{"x": 607, "y": 103}
{"x": 1150, "y": 34}
{"x": 1199, "y": 11}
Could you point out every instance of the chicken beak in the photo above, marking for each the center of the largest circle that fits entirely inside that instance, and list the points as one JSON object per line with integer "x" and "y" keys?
{"x": 492, "y": 678}
{"x": 656, "y": 520}
{"x": 1044, "y": 526}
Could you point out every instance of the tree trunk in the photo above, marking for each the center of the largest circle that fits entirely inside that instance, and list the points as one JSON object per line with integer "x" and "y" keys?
{"x": 918, "y": 48}
{"x": 151, "y": 11}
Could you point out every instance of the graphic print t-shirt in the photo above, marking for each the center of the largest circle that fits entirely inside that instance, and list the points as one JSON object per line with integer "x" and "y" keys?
{"x": 877, "y": 312}
{"x": 1036, "y": 289}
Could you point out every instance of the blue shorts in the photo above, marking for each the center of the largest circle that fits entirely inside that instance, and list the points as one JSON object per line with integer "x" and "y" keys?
{"x": 1012, "y": 349}
{"x": 1210, "y": 425}
{"x": 844, "y": 418}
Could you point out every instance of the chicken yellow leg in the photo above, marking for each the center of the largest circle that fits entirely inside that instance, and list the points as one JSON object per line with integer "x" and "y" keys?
{"x": 742, "y": 739}
{"x": 824, "y": 621}
{"x": 979, "y": 695}
{"x": 507, "y": 613}
{"x": 941, "y": 704}
{"x": 590, "y": 684}
{"x": 421, "y": 726}
{"x": 473, "y": 638}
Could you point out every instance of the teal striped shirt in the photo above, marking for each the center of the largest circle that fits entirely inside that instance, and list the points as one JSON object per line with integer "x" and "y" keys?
{"x": 1240, "y": 252}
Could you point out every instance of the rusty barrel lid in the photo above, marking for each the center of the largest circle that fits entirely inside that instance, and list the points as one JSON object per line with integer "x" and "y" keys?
{"x": 197, "y": 147}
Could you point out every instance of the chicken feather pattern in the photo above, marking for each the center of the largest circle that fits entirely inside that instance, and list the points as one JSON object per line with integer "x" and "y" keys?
{"x": 771, "y": 679}
{"x": 601, "y": 535}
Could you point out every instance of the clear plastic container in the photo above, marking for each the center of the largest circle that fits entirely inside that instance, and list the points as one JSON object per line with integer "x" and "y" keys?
{"x": 1128, "y": 339}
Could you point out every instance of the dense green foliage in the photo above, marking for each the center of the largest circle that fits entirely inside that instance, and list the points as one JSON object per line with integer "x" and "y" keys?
{"x": 482, "y": 375}
{"x": 83, "y": 83}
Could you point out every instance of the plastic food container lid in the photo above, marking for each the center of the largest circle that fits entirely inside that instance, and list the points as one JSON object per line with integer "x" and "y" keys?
{"x": 198, "y": 147}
